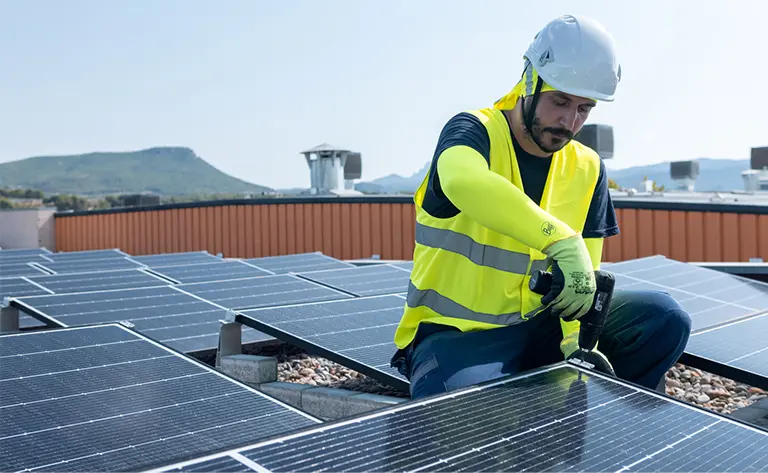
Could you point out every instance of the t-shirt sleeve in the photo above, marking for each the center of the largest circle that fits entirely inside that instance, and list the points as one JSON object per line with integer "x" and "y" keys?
{"x": 463, "y": 129}
{"x": 601, "y": 219}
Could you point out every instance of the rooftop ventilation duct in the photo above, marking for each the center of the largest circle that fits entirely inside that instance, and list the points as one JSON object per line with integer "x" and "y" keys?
{"x": 684, "y": 173}
{"x": 597, "y": 137}
{"x": 759, "y": 158}
{"x": 353, "y": 167}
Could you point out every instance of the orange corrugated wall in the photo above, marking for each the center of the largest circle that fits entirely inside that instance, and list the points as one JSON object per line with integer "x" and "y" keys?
{"x": 689, "y": 236}
{"x": 341, "y": 230}
{"x": 361, "y": 230}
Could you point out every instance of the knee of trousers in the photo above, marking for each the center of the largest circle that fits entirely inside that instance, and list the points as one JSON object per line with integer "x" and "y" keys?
{"x": 675, "y": 321}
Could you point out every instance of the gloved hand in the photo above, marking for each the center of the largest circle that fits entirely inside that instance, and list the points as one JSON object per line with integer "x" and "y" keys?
{"x": 570, "y": 348}
{"x": 573, "y": 278}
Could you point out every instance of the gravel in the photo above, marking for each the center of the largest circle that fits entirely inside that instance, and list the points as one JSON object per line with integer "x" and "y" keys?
{"x": 688, "y": 384}
{"x": 712, "y": 392}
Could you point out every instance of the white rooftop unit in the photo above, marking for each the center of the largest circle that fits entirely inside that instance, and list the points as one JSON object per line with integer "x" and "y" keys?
{"x": 332, "y": 169}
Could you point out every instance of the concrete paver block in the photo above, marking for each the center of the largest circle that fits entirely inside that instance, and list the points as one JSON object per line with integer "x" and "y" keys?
{"x": 251, "y": 369}
{"x": 364, "y": 402}
{"x": 289, "y": 393}
{"x": 325, "y": 403}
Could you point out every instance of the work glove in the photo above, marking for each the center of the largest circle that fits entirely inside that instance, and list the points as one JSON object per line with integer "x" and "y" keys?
{"x": 570, "y": 348}
{"x": 573, "y": 279}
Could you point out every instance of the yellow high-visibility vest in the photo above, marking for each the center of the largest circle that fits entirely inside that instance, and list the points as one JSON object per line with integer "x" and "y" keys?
{"x": 473, "y": 278}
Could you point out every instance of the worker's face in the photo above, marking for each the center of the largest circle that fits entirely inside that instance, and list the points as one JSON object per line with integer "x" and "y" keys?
{"x": 559, "y": 116}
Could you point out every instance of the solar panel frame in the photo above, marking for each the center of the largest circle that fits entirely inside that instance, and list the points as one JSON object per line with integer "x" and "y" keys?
{"x": 151, "y": 407}
{"x": 534, "y": 420}
{"x": 256, "y": 319}
{"x": 354, "y": 281}
{"x": 722, "y": 351}
{"x": 199, "y": 333}
{"x": 297, "y": 263}
{"x": 202, "y": 290}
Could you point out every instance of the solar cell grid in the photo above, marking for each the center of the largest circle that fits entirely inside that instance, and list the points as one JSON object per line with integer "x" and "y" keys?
{"x": 87, "y": 255}
{"x": 741, "y": 345}
{"x": 9, "y": 270}
{"x": 557, "y": 418}
{"x": 20, "y": 287}
{"x": 103, "y": 398}
{"x": 298, "y": 263}
{"x": 262, "y": 291}
{"x": 23, "y": 251}
{"x": 206, "y": 272}
{"x": 24, "y": 259}
{"x": 357, "y": 333}
{"x": 174, "y": 259}
{"x": 710, "y": 297}
{"x": 175, "y": 318}
{"x": 363, "y": 280}
{"x": 98, "y": 281}
{"x": 89, "y": 265}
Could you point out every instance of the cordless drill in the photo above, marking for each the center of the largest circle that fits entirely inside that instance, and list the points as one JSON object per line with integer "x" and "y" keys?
{"x": 591, "y": 324}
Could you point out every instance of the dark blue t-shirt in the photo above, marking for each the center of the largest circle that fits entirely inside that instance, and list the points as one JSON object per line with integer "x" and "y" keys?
{"x": 466, "y": 129}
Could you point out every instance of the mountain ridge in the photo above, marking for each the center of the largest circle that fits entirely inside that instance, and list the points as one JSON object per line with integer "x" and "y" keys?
{"x": 715, "y": 175}
{"x": 163, "y": 170}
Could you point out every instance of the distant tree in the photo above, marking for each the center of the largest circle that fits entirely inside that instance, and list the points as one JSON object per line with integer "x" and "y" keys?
{"x": 612, "y": 184}
{"x": 5, "y": 203}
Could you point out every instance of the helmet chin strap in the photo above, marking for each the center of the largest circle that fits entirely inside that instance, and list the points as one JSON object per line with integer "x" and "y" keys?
{"x": 528, "y": 117}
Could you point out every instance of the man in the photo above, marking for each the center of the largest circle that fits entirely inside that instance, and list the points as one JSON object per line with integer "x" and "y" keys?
{"x": 509, "y": 192}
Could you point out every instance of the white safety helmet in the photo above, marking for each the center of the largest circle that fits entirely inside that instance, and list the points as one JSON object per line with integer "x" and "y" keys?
{"x": 576, "y": 55}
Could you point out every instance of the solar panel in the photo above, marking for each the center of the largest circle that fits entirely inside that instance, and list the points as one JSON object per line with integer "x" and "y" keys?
{"x": 557, "y": 418}
{"x": 15, "y": 252}
{"x": 298, "y": 263}
{"x": 741, "y": 345}
{"x": 262, "y": 291}
{"x": 104, "y": 398}
{"x": 356, "y": 333}
{"x": 89, "y": 265}
{"x": 177, "y": 319}
{"x": 87, "y": 255}
{"x": 711, "y": 297}
{"x": 405, "y": 265}
{"x": 9, "y": 270}
{"x": 99, "y": 281}
{"x": 363, "y": 280}
{"x": 205, "y": 272}
{"x": 174, "y": 259}
{"x": 41, "y": 258}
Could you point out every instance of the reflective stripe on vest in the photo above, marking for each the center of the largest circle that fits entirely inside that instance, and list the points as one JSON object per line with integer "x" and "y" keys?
{"x": 449, "y": 308}
{"x": 480, "y": 254}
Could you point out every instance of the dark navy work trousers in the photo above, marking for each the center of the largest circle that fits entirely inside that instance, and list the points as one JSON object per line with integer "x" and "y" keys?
{"x": 645, "y": 334}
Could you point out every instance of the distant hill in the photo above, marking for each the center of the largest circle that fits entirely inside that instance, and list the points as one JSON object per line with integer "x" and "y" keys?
{"x": 161, "y": 170}
{"x": 715, "y": 175}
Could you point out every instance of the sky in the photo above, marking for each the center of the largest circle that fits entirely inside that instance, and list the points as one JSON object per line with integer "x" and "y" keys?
{"x": 249, "y": 84}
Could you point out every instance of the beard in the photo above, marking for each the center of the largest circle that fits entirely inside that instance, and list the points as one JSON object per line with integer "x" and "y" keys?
{"x": 550, "y": 139}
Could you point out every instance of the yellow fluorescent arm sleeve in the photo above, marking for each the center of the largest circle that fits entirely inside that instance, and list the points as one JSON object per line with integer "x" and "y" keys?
{"x": 493, "y": 201}
{"x": 595, "y": 249}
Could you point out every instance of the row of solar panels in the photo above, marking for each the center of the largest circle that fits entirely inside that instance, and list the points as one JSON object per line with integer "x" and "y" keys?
{"x": 349, "y": 313}
{"x": 106, "y": 398}
{"x": 343, "y": 324}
